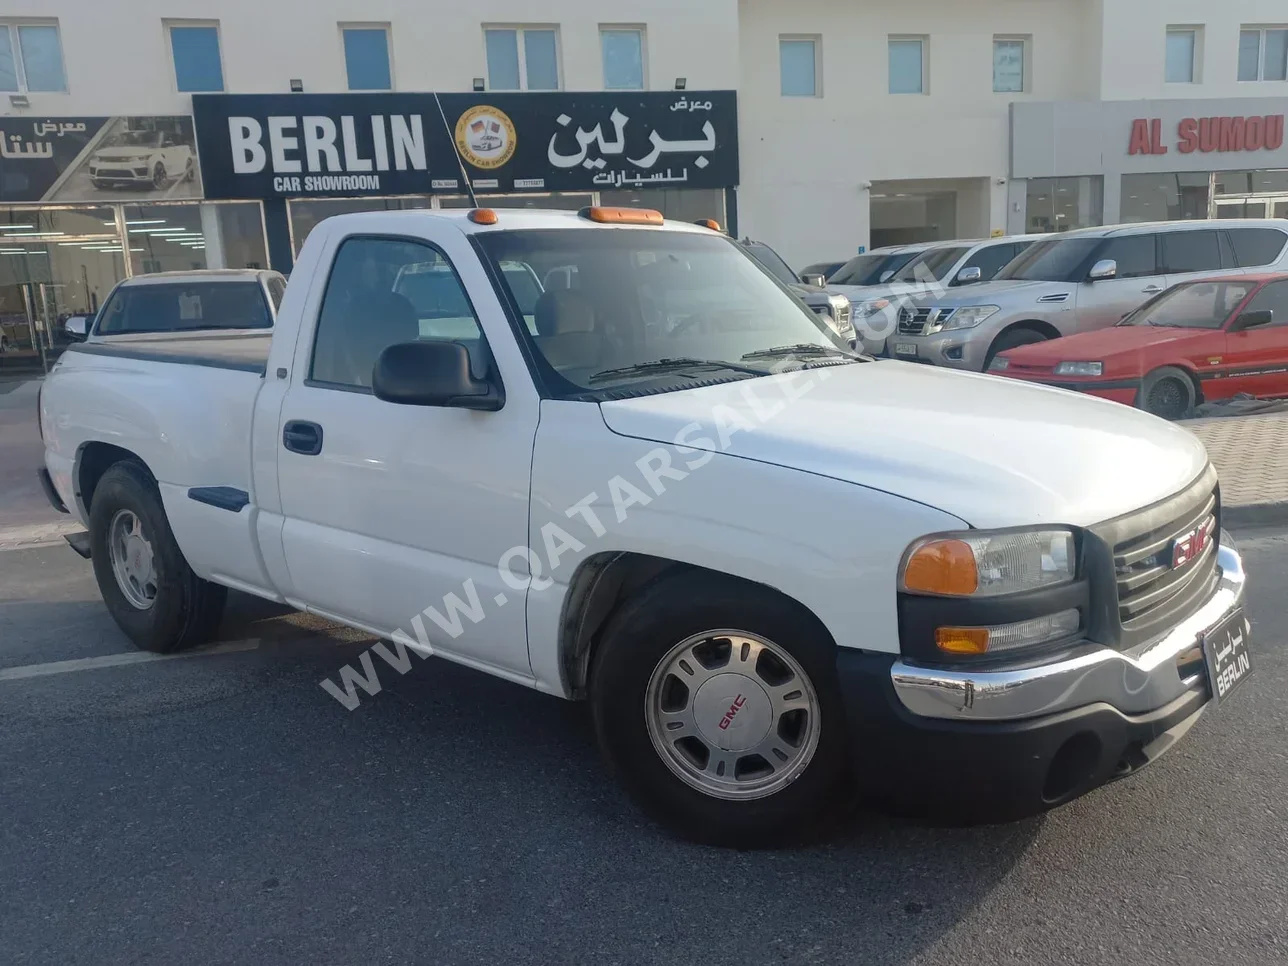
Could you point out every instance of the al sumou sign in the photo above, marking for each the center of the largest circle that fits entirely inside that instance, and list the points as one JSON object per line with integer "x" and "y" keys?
{"x": 1209, "y": 134}
{"x": 301, "y": 145}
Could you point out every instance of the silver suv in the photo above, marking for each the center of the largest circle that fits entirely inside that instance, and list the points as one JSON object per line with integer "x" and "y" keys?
{"x": 1078, "y": 281}
{"x": 879, "y": 282}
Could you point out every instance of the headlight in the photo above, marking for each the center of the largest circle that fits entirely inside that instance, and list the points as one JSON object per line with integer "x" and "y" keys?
{"x": 999, "y": 363}
{"x": 872, "y": 307}
{"x": 1080, "y": 369}
{"x": 970, "y": 316}
{"x": 977, "y": 563}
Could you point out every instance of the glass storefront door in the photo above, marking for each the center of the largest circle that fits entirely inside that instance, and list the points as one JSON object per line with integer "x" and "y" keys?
{"x": 54, "y": 264}
{"x": 1262, "y": 207}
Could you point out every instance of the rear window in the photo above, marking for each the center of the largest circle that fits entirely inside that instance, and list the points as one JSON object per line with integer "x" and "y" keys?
{"x": 184, "y": 307}
{"x": 1256, "y": 247}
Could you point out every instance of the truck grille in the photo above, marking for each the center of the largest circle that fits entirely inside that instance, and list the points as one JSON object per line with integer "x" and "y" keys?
{"x": 919, "y": 321}
{"x": 1156, "y": 585}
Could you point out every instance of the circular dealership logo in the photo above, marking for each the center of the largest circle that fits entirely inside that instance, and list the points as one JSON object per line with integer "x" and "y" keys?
{"x": 485, "y": 137}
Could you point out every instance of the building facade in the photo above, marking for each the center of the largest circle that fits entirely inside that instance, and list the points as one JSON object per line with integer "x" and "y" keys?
{"x": 147, "y": 135}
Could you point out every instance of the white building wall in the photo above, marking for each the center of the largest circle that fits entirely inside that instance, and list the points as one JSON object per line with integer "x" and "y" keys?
{"x": 118, "y": 61}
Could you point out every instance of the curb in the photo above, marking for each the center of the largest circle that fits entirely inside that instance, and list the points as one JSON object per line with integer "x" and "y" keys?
{"x": 1254, "y": 515}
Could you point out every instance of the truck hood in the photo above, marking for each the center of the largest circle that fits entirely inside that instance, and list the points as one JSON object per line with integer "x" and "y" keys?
{"x": 1102, "y": 344}
{"x": 886, "y": 290}
{"x": 993, "y": 452}
{"x": 1005, "y": 293}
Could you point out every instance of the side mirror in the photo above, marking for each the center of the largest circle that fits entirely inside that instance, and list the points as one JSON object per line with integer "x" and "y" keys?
{"x": 432, "y": 372}
{"x": 76, "y": 328}
{"x": 1105, "y": 268}
{"x": 1249, "y": 320}
{"x": 818, "y": 281}
{"x": 968, "y": 275}
{"x": 886, "y": 276}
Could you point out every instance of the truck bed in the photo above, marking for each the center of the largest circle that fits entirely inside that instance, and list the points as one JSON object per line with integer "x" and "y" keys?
{"x": 246, "y": 352}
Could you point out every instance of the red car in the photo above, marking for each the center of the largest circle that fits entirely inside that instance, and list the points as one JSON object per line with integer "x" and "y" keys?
{"x": 1196, "y": 342}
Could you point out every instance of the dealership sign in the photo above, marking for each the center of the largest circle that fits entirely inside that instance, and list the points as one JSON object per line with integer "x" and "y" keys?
{"x": 1209, "y": 134}
{"x": 97, "y": 159}
{"x": 344, "y": 145}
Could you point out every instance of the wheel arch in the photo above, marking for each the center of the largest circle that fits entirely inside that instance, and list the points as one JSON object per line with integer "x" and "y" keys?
{"x": 93, "y": 459}
{"x": 1181, "y": 365}
{"x": 1046, "y": 329}
{"x": 604, "y": 582}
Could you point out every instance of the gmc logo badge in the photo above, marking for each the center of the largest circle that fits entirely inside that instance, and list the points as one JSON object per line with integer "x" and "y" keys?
{"x": 1191, "y": 545}
{"x": 729, "y": 715}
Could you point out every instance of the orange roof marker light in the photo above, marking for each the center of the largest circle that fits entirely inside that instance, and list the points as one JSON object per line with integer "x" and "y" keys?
{"x": 622, "y": 216}
{"x": 709, "y": 223}
{"x": 483, "y": 216}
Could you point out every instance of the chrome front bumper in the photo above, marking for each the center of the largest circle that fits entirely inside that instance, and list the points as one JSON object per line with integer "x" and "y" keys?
{"x": 1133, "y": 682}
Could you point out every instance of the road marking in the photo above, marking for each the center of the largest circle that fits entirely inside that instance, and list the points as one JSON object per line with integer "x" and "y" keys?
{"x": 118, "y": 660}
{"x": 36, "y": 535}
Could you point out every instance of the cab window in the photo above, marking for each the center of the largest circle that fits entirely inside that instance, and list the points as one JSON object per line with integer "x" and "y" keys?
{"x": 1135, "y": 255}
{"x": 383, "y": 291}
{"x": 1191, "y": 251}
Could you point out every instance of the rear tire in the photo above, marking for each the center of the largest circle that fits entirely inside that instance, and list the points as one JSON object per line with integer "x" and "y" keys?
{"x": 765, "y": 686}
{"x": 146, "y": 583}
{"x": 1167, "y": 393}
{"x": 1012, "y": 340}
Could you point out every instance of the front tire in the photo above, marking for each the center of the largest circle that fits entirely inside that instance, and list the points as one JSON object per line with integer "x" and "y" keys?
{"x": 717, "y": 705}
{"x": 159, "y": 178}
{"x": 1167, "y": 393}
{"x": 146, "y": 583}
{"x": 1012, "y": 340}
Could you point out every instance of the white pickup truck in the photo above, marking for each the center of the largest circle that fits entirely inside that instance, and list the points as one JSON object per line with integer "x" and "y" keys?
{"x": 612, "y": 459}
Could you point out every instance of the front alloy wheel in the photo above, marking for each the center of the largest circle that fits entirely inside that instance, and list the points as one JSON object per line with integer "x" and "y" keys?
{"x": 732, "y": 714}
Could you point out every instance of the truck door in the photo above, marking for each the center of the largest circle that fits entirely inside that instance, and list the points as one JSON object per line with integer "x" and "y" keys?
{"x": 397, "y": 515}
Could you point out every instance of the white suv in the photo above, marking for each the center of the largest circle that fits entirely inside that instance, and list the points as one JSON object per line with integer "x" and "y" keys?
{"x": 1078, "y": 281}
{"x": 916, "y": 270}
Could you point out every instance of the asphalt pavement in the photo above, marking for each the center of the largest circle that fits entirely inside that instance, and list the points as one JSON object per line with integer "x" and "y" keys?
{"x": 223, "y": 808}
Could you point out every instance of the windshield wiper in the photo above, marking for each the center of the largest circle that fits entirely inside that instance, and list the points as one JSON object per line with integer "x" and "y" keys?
{"x": 805, "y": 349}
{"x": 666, "y": 365}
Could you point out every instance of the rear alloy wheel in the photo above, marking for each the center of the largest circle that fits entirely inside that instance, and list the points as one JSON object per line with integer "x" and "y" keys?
{"x": 718, "y": 705}
{"x": 1168, "y": 393}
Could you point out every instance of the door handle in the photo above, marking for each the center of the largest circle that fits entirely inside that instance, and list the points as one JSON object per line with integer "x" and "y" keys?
{"x": 1152, "y": 289}
{"x": 302, "y": 437}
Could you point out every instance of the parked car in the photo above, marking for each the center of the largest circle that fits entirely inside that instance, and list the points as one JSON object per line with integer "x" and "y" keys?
{"x": 1196, "y": 342}
{"x": 198, "y": 302}
{"x": 762, "y": 581}
{"x": 1078, "y": 281}
{"x": 931, "y": 268}
{"x": 146, "y": 159}
{"x": 834, "y": 308}
{"x": 821, "y": 268}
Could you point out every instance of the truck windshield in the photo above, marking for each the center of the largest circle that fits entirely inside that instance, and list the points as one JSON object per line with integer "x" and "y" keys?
{"x": 184, "y": 307}
{"x": 626, "y": 299}
{"x": 1198, "y": 305}
{"x": 870, "y": 269}
{"x": 1053, "y": 260}
{"x": 932, "y": 265}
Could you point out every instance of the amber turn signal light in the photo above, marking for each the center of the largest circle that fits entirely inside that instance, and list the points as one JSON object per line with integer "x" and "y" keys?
{"x": 708, "y": 223}
{"x": 622, "y": 216}
{"x": 962, "y": 640}
{"x": 483, "y": 216}
{"x": 942, "y": 567}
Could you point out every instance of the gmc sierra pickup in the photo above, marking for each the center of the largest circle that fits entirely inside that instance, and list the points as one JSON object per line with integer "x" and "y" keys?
{"x": 612, "y": 458}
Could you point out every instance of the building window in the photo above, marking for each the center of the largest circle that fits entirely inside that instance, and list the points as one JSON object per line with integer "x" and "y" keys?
{"x": 31, "y": 58}
{"x": 907, "y": 65}
{"x": 197, "y": 66}
{"x": 1179, "y": 196}
{"x": 522, "y": 58}
{"x": 1182, "y": 51}
{"x": 623, "y": 51}
{"x": 1263, "y": 53}
{"x": 1009, "y": 65}
{"x": 1062, "y": 204}
{"x": 366, "y": 57}
{"x": 798, "y": 66}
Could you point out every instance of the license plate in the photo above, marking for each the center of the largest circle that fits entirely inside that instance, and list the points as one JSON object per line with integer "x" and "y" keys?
{"x": 1225, "y": 649}
{"x": 905, "y": 348}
